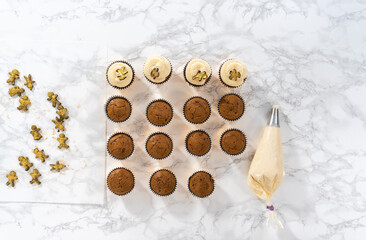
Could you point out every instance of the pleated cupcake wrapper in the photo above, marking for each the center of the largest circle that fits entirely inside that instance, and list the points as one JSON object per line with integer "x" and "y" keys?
{"x": 218, "y": 109}
{"x": 245, "y": 137}
{"x": 223, "y": 81}
{"x": 158, "y": 100}
{"x": 132, "y": 176}
{"x": 184, "y": 106}
{"x": 198, "y": 130}
{"x": 133, "y": 73}
{"x": 168, "y": 77}
{"x": 106, "y": 105}
{"x": 201, "y": 171}
{"x": 184, "y": 74}
{"x": 153, "y": 135}
{"x": 175, "y": 187}
{"x": 133, "y": 146}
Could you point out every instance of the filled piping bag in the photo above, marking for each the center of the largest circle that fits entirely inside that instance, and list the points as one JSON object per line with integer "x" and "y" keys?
{"x": 267, "y": 169}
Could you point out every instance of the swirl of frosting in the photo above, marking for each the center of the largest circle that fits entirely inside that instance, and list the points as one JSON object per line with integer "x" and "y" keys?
{"x": 120, "y": 74}
{"x": 233, "y": 73}
{"x": 157, "y": 69}
{"x": 197, "y": 72}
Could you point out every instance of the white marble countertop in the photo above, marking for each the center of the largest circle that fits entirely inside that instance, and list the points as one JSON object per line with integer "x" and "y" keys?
{"x": 307, "y": 57}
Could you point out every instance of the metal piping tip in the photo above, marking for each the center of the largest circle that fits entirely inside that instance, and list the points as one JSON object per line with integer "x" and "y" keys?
{"x": 275, "y": 118}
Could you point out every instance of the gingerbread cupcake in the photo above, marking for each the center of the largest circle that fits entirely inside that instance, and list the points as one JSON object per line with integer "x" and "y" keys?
{"x": 231, "y": 107}
{"x": 163, "y": 182}
{"x": 157, "y": 69}
{"x": 201, "y": 184}
{"x": 159, "y": 145}
{"x": 120, "y": 146}
{"x": 159, "y": 112}
{"x": 196, "y": 110}
{"x": 118, "y": 109}
{"x": 120, "y": 74}
{"x": 233, "y": 73}
{"x": 198, "y": 143}
{"x": 197, "y": 72}
{"x": 233, "y": 142}
{"x": 120, "y": 181}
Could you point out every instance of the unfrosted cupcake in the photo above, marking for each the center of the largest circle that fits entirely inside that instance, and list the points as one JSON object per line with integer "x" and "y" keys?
{"x": 157, "y": 69}
{"x": 118, "y": 109}
{"x": 197, "y": 72}
{"x": 159, "y": 112}
{"x": 159, "y": 145}
{"x": 233, "y": 142}
{"x": 197, "y": 110}
{"x": 120, "y": 74}
{"x": 233, "y": 73}
{"x": 231, "y": 107}
{"x": 163, "y": 182}
{"x": 198, "y": 143}
{"x": 120, "y": 181}
{"x": 120, "y": 146}
{"x": 201, "y": 184}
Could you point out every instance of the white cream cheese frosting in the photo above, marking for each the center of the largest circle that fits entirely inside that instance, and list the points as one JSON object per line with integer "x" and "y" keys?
{"x": 120, "y": 74}
{"x": 157, "y": 69}
{"x": 233, "y": 73}
{"x": 197, "y": 72}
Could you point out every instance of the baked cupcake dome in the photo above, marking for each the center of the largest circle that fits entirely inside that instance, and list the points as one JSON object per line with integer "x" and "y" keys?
{"x": 120, "y": 181}
{"x": 120, "y": 74}
{"x": 231, "y": 107}
{"x": 118, "y": 109}
{"x": 159, "y": 145}
{"x": 163, "y": 182}
{"x": 233, "y": 73}
{"x": 201, "y": 184}
{"x": 197, "y": 72}
{"x": 120, "y": 146}
{"x": 196, "y": 110}
{"x": 159, "y": 112}
{"x": 233, "y": 142}
{"x": 157, "y": 69}
{"x": 198, "y": 143}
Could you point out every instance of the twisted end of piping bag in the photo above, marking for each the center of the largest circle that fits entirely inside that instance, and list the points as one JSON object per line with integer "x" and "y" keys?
{"x": 272, "y": 216}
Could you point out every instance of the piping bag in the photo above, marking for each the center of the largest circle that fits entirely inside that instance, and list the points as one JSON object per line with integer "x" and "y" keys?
{"x": 267, "y": 169}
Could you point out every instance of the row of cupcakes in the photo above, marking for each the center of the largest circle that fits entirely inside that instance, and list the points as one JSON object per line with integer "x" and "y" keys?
{"x": 159, "y": 145}
{"x": 159, "y": 112}
{"x": 158, "y": 69}
{"x": 163, "y": 182}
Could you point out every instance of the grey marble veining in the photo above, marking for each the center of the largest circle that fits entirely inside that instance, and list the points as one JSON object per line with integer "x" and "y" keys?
{"x": 306, "y": 56}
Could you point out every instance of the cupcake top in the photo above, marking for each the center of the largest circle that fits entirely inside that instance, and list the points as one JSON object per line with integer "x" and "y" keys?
{"x": 201, "y": 184}
{"x": 120, "y": 146}
{"x": 233, "y": 73}
{"x": 159, "y": 113}
{"x": 118, "y": 109}
{"x": 163, "y": 182}
{"x": 196, "y": 110}
{"x": 120, "y": 181}
{"x": 233, "y": 142}
{"x": 231, "y": 107}
{"x": 157, "y": 69}
{"x": 197, "y": 72}
{"x": 120, "y": 74}
{"x": 198, "y": 143}
{"x": 159, "y": 145}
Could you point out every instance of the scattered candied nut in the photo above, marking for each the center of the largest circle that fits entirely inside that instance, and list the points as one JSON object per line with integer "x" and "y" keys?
{"x": 200, "y": 76}
{"x": 35, "y": 175}
{"x": 62, "y": 140}
{"x": 24, "y": 161}
{"x": 155, "y": 73}
{"x": 121, "y": 73}
{"x": 29, "y": 82}
{"x": 16, "y": 91}
{"x": 40, "y": 154}
{"x": 234, "y": 75}
{"x": 58, "y": 124}
{"x": 24, "y": 102}
{"x": 62, "y": 112}
{"x": 53, "y": 98}
{"x": 58, "y": 166}
{"x": 35, "y": 132}
{"x": 12, "y": 176}
{"x": 13, "y": 76}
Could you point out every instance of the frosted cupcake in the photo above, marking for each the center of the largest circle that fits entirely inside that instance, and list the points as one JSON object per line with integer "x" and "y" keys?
{"x": 233, "y": 73}
{"x": 157, "y": 69}
{"x": 120, "y": 74}
{"x": 197, "y": 72}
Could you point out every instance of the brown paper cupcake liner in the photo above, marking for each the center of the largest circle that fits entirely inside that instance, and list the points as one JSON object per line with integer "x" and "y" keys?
{"x": 189, "y": 189}
{"x": 225, "y": 96}
{"x": 184, "y": 106}
{"x": 133, "y": 74}
{"x": 193, "y": 85}
{"x": 170, "y": 74}
{"x": 153, "y": 135}
{"x": 133, "y": 146}
{"x": 175, "y": 187}
{"x": 246, "y": 141}
{"x": 113, "y": 97}
{"x": 224, "y": 82}
{"x": 132, "y": 176}
{"x": 198, "y": 130}
{"x": 157, "y": 100}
